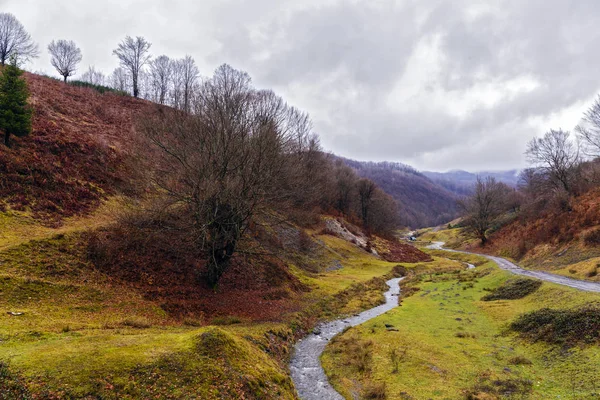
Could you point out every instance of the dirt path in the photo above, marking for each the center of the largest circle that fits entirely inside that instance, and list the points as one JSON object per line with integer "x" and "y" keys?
{"x": 307, "y": 373}
{"x": 515, "y": 269}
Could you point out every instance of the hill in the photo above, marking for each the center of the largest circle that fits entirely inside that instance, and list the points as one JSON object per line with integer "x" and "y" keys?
{"x": 422, "y": 201}
{"x": 75, "y": 155}
{"x": 461, "y": 182}
{"x": 95, "y": 305}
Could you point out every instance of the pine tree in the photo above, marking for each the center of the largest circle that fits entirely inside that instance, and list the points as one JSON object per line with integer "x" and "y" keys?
{"x": 15, "y": 113}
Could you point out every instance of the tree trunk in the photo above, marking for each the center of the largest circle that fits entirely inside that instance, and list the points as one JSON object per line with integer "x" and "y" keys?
{"x": 7, "y": 139}
{"x": 65, "y": 79}
{"x": 218, "y": 263}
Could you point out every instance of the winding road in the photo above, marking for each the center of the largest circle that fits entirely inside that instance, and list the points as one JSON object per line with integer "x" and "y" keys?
{"x": 305, "y": 367}
{"x": 515, "y": 269}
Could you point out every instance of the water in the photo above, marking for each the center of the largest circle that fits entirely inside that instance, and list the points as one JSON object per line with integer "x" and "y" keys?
{"x": 307, "y": 373}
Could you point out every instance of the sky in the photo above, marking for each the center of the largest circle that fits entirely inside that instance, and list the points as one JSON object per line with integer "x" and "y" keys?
{"x": 436, "y": 84}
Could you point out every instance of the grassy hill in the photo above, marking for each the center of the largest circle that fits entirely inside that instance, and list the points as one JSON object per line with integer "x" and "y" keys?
{"x": 77, "y": 322}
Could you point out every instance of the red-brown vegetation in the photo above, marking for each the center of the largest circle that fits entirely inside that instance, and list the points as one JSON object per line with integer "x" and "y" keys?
{"x": 75, "y": 153}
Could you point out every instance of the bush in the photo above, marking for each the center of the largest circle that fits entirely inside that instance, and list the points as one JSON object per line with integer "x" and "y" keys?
{"x": 514, "y": 289}
{"x": 565, "y": 327}
{"x": 592, "y": 238}
{"x": 99, "y": 88}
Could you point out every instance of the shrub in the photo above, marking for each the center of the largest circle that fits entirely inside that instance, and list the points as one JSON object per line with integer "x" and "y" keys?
{"x": 593, "y": 272}
{"x": 514, "y": 289}
{"x": 99, "y": 88}
{"x": 566, "y": 327}
{"x": 592, "y": 238}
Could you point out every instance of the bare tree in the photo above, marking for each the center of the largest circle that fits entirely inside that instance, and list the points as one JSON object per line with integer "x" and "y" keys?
{"x": 483, "y": 207}
{"x": 344, "y": 187}
{"x": 185, "y": 79}
{"x": 93, "y": 77}
{"x": 557, "y": 156}
{"x": 119, "y": 80}
{"x": 366, "y": 191}
{"x": 161, "y": 70}
{"x": 589, "y": 131}
{"x": 15, "y": 41}
{"x": 133, "y": 55}
{"x": 65, "y": 57}
{"x": 224, "y": 163}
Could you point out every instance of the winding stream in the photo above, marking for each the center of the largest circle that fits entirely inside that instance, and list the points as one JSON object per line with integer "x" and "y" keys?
{"x": 307, "y": 373}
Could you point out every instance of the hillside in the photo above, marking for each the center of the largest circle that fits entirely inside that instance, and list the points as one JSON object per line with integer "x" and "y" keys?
{"x": 565, "y": 243}
{"x": 96, "y": 306}
{"x": 75, "y": 155}
{"x": 422, "y": 202}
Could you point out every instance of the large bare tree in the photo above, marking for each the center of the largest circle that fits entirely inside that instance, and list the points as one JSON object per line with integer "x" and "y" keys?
{"x": 483, "y": 207}
{"x": 15, "y": 41}
{"x": 161, "y": 71}
{"x": 133, "y": 55}
{"x": 65, "y": 57}
{"x": 225, "y": 162}
{"x": 589, "y": 131}
{"x": 557, "y": 156}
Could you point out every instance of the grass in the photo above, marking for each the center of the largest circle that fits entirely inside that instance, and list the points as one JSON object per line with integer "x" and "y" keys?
{"x": 457, "y": 346}
{"x": 83, "y": 334}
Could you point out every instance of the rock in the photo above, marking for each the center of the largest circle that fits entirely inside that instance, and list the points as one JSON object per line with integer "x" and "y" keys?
{"x": 389, "y": 325}
{"x": 15, "y": 314}
{"x": 316, "y": 331}
{"x": 392, "y": 330}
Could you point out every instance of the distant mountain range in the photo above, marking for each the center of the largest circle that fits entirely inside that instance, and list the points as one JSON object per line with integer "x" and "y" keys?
{"x": 461, "y": 182}
{"x": 425, "y": 198}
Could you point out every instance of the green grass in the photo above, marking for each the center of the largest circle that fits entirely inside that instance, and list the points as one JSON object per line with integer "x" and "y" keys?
{"x": 82, "y": 333}
{"x": 454, "y": 344}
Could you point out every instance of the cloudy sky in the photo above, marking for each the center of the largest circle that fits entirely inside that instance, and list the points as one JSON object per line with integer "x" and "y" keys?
{"x": 433, "y": 83}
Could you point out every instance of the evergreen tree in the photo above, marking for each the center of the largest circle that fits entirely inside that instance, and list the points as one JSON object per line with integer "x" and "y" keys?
{"x": 15, "y": 113}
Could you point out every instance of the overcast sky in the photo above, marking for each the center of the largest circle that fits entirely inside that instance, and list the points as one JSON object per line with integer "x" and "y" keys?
{"x": 432, "y": 83}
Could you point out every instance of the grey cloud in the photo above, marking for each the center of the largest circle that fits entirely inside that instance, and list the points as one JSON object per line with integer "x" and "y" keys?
{"x": 343, "y": 60}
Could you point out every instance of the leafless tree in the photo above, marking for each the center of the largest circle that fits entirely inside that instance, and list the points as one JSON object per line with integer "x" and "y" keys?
{"x": 366, "y": 191}
{"x": 185, "y": 78}
{"x": 483, "y": 207}
{"x": 557, "y": 156}
{"x": 119, "y": 80}
{"x": 161, "y": 70}
{"x": 15, "y": 41}
{"x": 225, "y": 162}
{"x": 345, "y": 185}
{"x": 133, "y": 55}
{"x": 93, "y": 77}
{"x": 65, "y": 57}
{"x": 589, "y": 131}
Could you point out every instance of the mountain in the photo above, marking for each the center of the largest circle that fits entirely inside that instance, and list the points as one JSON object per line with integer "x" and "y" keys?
{"x": 460, "y": 182}
{"x": 422, "y": 201}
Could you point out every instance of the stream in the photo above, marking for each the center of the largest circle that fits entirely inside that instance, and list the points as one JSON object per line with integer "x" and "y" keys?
{"x": 305, "y": 367}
